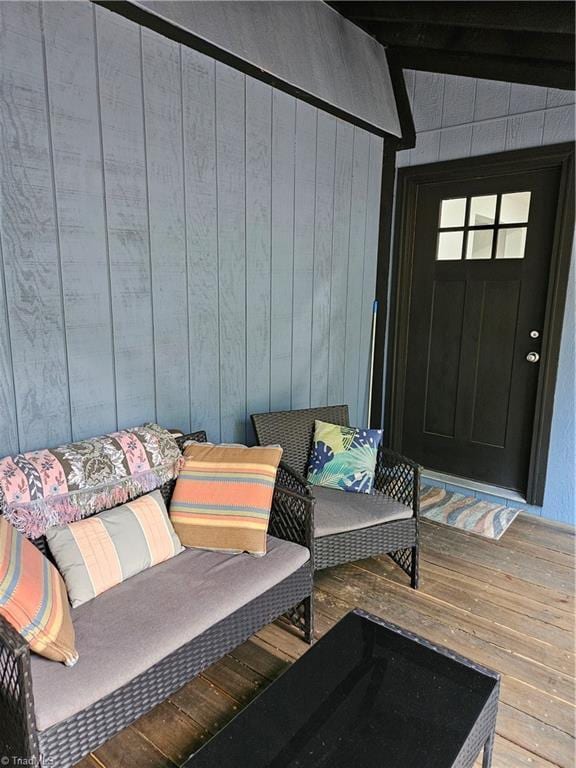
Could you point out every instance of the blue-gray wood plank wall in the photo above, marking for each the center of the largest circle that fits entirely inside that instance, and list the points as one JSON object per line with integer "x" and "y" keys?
{"x": 458, "y": 117}
{"x": 178, "y": 242}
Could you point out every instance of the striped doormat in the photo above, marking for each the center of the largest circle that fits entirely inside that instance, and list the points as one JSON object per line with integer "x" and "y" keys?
{"x": 465, "y": 512}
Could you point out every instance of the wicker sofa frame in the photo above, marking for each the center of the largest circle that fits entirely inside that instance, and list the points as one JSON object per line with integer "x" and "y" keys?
{"x": 66, "y": 743}
{"x": 396, "y": 477}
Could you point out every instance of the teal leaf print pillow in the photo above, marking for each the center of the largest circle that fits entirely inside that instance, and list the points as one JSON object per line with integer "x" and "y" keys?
{"x": 343, "y": 457}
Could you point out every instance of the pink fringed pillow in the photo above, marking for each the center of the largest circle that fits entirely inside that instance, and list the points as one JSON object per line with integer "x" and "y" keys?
{"x": 43, "y": 488}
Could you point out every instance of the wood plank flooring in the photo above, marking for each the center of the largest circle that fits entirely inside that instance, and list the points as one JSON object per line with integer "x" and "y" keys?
{"x": 508, "y": 605}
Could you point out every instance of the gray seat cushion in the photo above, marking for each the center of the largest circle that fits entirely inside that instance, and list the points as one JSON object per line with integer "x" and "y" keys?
{"x": 339, "y": 511}
{"x": 126, "y": 630}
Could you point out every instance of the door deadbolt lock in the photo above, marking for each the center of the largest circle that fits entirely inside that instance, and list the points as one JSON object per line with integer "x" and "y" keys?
{"x": 532, "y": 357}
{"x": 534, "y": 334}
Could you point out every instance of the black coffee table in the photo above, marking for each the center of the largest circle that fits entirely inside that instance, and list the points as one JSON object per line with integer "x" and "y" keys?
{"x": 367, "y": 695}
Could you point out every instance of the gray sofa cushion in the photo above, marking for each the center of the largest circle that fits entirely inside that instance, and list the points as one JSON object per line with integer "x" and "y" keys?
{"x": 339, "y": 511}
{"x": 126, "y": 630}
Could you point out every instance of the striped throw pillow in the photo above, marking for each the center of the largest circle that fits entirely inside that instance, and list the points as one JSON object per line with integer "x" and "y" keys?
{"x": 223, "y": 496}
{"x": 106, "y": 549}
{"x": 33, "y": 597}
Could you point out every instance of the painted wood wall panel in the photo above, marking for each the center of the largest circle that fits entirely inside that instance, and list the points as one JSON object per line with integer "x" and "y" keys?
{"x": 230, "y": 151}
{"x": 369, "y": 277}
{"x": 526, "y": 98}
{"x": 340, "y": 250}
{"x": 353, "y": 361}
{"x": 178, "y": 242}
{"x": 8, "y": 423}
{"x": 463, "y": 117}
{"x": 258, "y": 247}
{"x": 525, "y": 130}
{"x": 161, "y": 70}
{"x": 348, "y": 69}
{"x": 199, "y": 117}
{"x": 488, "y": 136}
{"x": 428, "y": 100}
{"x": 559, "y": 98}
{"x": 304, "y": 195}
{"x": 427, "y": 149}
{"x": 492, "y": 99}
{"x": 455, "y": 142}
{"x": 30, "y": 243}
{"x": 79, "y": 195}
{"x": 559, "y": 125}
{"x": 126, "y": 189}
{"x": 283, "y": 122}
{"x": 321, "y": 282}
{"x": 458, "y": 101}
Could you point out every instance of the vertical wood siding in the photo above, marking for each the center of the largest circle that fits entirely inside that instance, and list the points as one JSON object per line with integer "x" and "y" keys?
{"x": 282, "y": 245}
{"x": 31, "y": 253}
{"x": 459, "y": 117}
{"x": 178, "y": 242}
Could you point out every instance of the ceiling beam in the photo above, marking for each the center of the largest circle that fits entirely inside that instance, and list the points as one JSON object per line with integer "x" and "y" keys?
{"x": 555, "y": 17}
{"x": 521, "y": 42}
{"x": 538, "y": 45}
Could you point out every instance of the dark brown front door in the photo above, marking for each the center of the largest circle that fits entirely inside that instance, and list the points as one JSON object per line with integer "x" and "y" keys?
{"x": 477, "y": 307}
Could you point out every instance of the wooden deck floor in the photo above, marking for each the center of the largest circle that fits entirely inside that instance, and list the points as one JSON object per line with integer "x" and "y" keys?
{"x": 508, "y": 605}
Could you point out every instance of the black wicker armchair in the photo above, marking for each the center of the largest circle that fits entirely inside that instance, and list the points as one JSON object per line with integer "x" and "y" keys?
{"x": 68, "y": 741}
{"x": 347, "y": 526}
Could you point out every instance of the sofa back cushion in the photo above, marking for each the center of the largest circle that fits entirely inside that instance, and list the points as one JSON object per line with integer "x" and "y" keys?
{"x": 223, "y": 496}
{"x": 33, "y": 597}
{"x": 41, "y": 489}
{"x": 106, "y": 549}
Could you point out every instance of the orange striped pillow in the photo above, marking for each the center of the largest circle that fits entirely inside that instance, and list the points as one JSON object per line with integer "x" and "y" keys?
{"x": 223, "y": 496}
{"x": 33, "y": 597}
{"x": 106, "y": 549}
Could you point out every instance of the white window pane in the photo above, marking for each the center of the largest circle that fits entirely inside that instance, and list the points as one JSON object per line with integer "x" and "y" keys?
{"x": 511, "y": 243}
{"x": 515, "y": 207}
{"x": 450, "y": 246}
{"x": 482, "y": 210}
{"x": 452, "y": 212}
{"x": 479, "y": 244}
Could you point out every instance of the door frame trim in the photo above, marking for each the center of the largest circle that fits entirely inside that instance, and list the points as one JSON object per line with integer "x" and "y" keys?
{"x": 410, "y": 179}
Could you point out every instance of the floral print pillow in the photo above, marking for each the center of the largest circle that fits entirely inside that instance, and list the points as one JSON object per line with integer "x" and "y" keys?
{"x": 57, "y": 486}
{"x": 344, "y": 457}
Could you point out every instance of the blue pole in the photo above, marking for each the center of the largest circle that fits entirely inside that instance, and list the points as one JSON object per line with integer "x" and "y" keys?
{"x": 372, "y": 351}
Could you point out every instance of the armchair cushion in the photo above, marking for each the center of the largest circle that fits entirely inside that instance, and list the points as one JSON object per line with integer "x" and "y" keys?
{"x": 337, "y": 512}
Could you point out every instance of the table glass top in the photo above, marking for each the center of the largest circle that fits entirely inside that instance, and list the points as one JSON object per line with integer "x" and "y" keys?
{"x": 363, "y": 695}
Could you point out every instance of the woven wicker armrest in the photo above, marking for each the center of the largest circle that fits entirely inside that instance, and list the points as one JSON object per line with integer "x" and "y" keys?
{"x": 167, "y": 489}
{"x": 11, "y": 642}
{"x": 291, "y": 480}
{"x": 196, "y": 437}
{"x": 18, "y": 732}
{"x": 292, "y": 513}
{"x": 398, "y": 477}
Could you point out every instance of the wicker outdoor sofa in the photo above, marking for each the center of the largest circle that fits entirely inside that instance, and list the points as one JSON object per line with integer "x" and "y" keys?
{"x": 348, "y": 526}
{"x": 32, "y": 729}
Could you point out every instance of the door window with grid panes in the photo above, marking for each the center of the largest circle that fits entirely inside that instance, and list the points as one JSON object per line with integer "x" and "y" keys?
{"x": 483, "y": 227}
